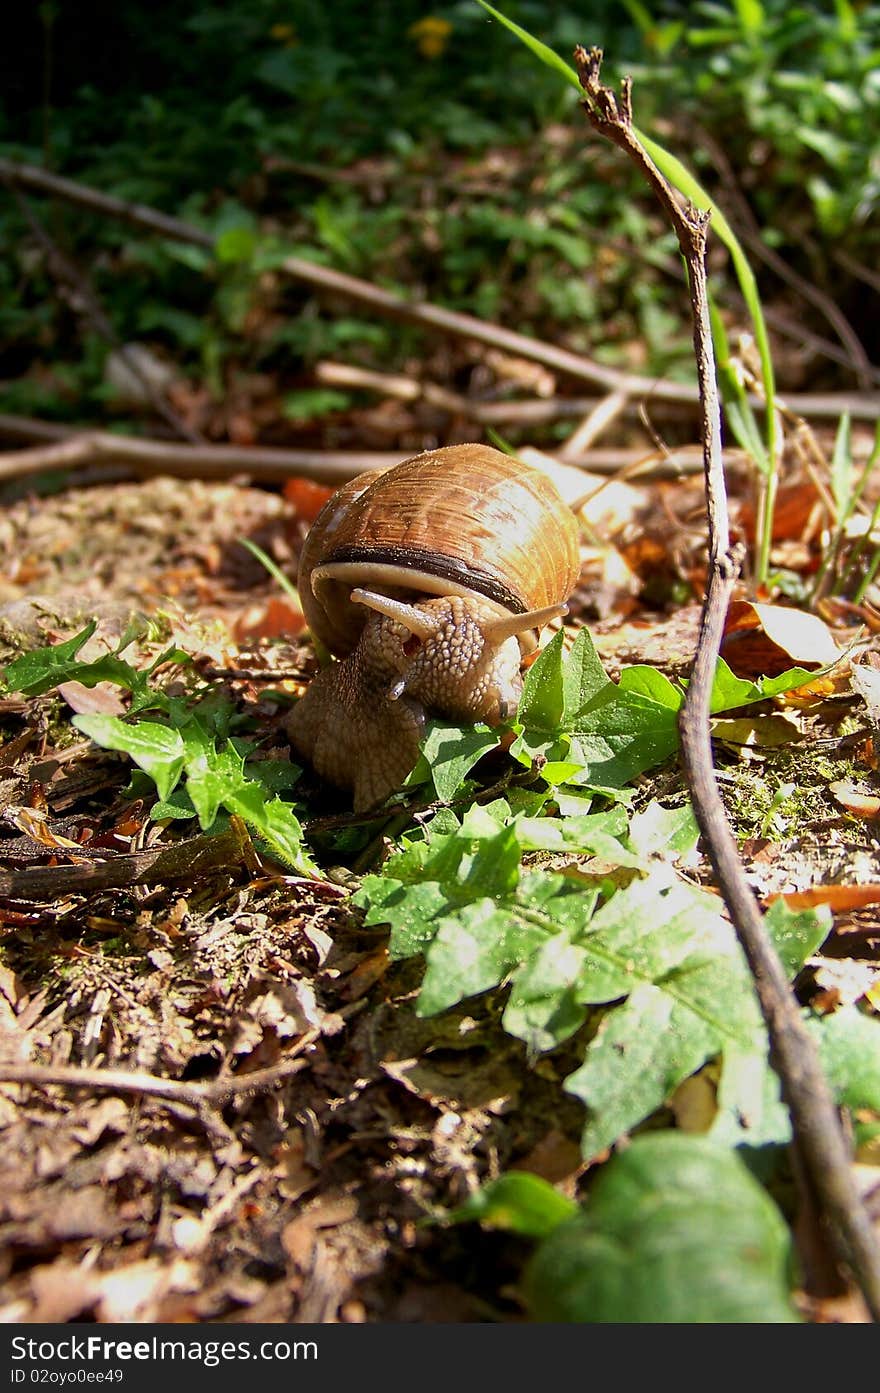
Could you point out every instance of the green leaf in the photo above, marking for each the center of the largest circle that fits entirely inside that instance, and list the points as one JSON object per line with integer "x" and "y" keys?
{"x": 666, "y": 947}
{"x": 620, "y": 734}
{"x": 212, "y": 776}
{"x": 518, "y": 1202}
{"x": 276, "y": 823}
{"x": 583, "y": 675}
{"x": 541, "y": 703}
{"x": 539, "y": 49}
{"x": 729, "y": 692}
{"x": 676, "y": 1229}
{"x": 796, "y": 933}
{"x": 543, "y": 1009}
{"x": 473, "y": 951}
{"x": 156, "y": 749}
{"x": 451, "y": 752}
{"x": 236, "y": 244}
{"x": 849, "y": 1045}
{"x": 34, "y": 673}
{"x": 750, "y": 1108}
{"x": 645, "y": 681}
{"x": 669, "y": 832}
{"x": 44, "y": 668}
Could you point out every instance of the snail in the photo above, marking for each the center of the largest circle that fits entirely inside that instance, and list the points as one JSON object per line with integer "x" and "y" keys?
{"x": 429, "y": 582}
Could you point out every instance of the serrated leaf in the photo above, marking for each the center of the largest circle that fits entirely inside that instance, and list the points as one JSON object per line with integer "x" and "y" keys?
{"x": 473, "y": 951}
{"x": 212, "y": 776}
{"x": 669, "y": 832}
{"x": 542, "y": 1009}
{"x": 35, "y": 672}
{"x": 641, "y": 1052}
{"x": 667, "y": 948}
{"x": 451, "y": 752}
{"x": 412, "y": 911}
{"x": 676, "y": 1229}
{"x": 275, "y": 823}
{"x": 542, "y": 701}
{"x": 729, "y": 692}
{"x": 155, "y": 748}
{"x": 44, "y": 668}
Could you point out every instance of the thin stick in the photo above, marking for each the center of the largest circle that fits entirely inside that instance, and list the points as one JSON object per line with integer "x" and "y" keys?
{"x": 423, "y": 313}
{"x": 66, "y": 448}
{"x": 823, "y": 1149}
{"x": 194, "y": 1095}
{"x": 429, "y": 316}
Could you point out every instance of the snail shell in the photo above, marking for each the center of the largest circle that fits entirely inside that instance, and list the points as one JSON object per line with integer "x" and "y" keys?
{"x": 463, "y": 520}
{"x": 429, "y": 582}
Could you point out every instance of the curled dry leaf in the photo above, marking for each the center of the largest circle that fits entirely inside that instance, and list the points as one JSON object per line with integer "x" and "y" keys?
{"x": 798, "y": 513}
{"x": 763, "y": 640}
{"x": 863, "y": 805}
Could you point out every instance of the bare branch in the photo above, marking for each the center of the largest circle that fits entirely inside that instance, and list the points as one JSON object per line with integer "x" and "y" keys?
{"x": 195, "y": 1095}
{"x": 424, "y": 314}
{"x": 817, "y": 1131}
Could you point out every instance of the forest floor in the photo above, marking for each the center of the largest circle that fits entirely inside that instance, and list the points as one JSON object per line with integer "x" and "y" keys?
{"x": 288, "y": 1130}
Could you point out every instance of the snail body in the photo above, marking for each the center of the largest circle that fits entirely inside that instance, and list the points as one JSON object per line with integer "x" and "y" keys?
{"x": 429, "y": 582}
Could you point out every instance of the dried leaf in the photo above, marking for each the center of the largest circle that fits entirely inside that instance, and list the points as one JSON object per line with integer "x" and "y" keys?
{"x": 764, "y": 640}
{"x": 103, "y": 698}
{"x": 859, "y": 804}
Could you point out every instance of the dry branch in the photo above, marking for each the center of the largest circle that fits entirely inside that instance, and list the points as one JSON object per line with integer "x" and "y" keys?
{"x": 323, "y": 278}
{"x": 155, "y": 865}
{"x": 64, "y": 447}
{"x": 194, "y": 1095}
{"x": 822, "y": 1147}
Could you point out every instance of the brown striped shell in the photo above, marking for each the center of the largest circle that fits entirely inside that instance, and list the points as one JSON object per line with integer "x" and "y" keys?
{"x": 462, "y": 520}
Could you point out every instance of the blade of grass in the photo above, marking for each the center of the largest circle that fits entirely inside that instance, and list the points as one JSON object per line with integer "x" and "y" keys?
{"x": 686, "y": 184}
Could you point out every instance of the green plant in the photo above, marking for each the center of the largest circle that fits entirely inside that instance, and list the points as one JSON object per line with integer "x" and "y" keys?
{"x": 636, "y": 1250}
{"x": 198, "y": 766}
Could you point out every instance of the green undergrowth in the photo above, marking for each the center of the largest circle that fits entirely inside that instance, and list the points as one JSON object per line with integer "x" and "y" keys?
{"x": 587, "y": 917}
{"x": 543, "y": 236}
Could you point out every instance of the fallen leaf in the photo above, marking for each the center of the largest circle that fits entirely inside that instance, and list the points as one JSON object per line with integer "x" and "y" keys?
{"x": 764, "y": 640}
{"x": 306, "y": 497}
{"x": 859, "y": 804}
{"x": 798, "y": 512}
{"x": 766, "y": 731}
{"x": 280, "y": 616}
{"x": 837, "y": 897}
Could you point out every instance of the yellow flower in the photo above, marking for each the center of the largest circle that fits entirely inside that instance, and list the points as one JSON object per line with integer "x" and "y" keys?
{"x": 431, "y": 35}
{"x": 284, "y": 34}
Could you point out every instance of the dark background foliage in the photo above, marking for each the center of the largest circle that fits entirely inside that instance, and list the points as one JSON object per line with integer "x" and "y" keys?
{"x": 489, "y": 194}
